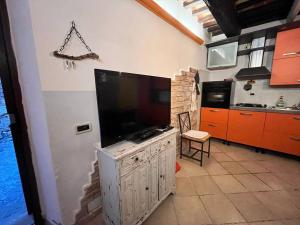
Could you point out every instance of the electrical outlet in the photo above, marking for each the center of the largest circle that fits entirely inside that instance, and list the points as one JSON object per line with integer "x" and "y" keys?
{"x": 83, "y": 128}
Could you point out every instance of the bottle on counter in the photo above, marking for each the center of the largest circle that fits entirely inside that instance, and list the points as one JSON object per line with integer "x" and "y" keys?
{"x": 280, "y": 102}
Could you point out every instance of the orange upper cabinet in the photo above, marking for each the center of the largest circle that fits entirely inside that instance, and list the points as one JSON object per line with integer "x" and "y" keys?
{"x": 287, "y": 44}
{"x": 246, "y": 127}
{"x": 286, "y": 63}
{"x": 214, "y": 121}
{"x": 286, "y": 71}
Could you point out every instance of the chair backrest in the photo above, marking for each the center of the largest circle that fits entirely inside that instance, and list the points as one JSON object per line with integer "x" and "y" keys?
{"x": 184, "y": 122}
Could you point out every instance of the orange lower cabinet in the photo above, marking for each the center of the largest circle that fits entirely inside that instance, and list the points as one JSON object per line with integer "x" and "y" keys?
{"x": 214, "y": 115}
{"x": 246, "y": 127}
{"x": 217, "y": 130}
{"x": 272, "y": 141}
{"x": 292, "y": 145}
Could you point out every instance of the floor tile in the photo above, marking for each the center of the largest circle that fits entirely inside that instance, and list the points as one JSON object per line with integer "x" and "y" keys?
{"x": 254, "y": 167}
{"x": 184, "y": 186}
{"x": 266, "y": 223}
{"x": 164, "y": 214}
{"x": 234, "y": 167}
{"x": 290, "y": 222}
{"x": 190, "y": 211}
{"x": 273, "y": 181}
{"x": 205, "y": 185}
{"x": 251, "y": 182}
{"x": 221, "y": 157}
{"x": 192, "y": 168}
{"x": 278, "y": 204}
{"x": 241, "y": 156}
{"x": 290, "y": 178}
{"x": 228, "y": 184}
{"x": 250, "y": 207}
{"x": 214, "y": 168}
{"x": 293, "y": 196}
{"x": 221, "y": 210}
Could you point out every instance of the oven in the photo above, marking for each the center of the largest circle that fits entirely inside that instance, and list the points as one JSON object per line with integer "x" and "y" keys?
{"x": 217, "y": 94}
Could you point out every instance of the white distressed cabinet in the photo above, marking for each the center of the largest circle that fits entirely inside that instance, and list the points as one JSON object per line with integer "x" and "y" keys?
{"x": 136, "y": 178}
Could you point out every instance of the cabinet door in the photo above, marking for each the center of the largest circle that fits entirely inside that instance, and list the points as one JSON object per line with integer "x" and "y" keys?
{"x": 170, "y": 168}
{"x": 162, "y": 174}
{"x": 127, "y": 199}
{"x": 246, "y": 127}
{"x": 153, "y": 181}
{"x": 286, "y": 71}
{"x": 141, "y": 191}
{"x": 287, "y": 44}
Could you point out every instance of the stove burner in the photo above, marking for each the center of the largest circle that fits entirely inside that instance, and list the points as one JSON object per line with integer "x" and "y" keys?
{"x": 252, "y": 105}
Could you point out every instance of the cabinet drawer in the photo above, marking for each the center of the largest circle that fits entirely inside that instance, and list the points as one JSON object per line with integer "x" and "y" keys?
{"x": 283, "y": 123}
{"x": 130, "y": 162}
{"x": 287, "y": 44}
{"x": 286, "y": 71}
{"x": 272, "y": 140}
{"x": 246, "y": 127}
{"x": 292, "y": 144}
{"x": 167, "y": 143}
{"x": 214, "y": 115}
{"x": 217, "y": 130}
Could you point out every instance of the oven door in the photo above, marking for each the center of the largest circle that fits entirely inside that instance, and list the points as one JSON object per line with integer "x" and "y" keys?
{"x": 216, "y": 98}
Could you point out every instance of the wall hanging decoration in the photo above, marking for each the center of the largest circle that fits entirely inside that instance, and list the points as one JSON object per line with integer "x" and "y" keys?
{"x": 69, "y": 62}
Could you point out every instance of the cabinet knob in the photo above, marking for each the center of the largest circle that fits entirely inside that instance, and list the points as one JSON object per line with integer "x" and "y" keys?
{"x": 147, "y": 188}
{"x": 136, "y": 159}
{"x": 161, "y": 176}
{"x": 169, "y": 142}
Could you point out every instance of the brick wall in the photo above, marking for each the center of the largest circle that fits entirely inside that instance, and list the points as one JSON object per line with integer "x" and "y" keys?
{"x": 181, "y": 97}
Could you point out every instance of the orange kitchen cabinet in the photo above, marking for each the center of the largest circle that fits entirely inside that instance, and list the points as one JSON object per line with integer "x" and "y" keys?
{"x": 286, "y": 71}
{"x": 246, "y": 127}
{"x": 287, "y": 44}
{"x": 282, "y": 133}
{"x": 215, "y": 115}
{"x": 217, "y": 130}
{"x": 214, "y": 121}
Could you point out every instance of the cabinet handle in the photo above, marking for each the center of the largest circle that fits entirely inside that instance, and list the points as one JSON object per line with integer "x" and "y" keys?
{"x": 210, "y": 125}
{"x": 214, "y": 110}
{"x": 290, "y": 53}
{"x": 296, "y": 118}
{"x": 298, "y": 80}
{"x": 246, "y": 114}
{"x": 295, "y": 139}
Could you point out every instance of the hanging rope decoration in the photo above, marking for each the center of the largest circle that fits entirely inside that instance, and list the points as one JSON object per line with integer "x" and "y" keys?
{"x": 89, "y": 55}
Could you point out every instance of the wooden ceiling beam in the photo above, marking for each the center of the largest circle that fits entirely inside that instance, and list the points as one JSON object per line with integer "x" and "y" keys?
{"x": 225, "y": 14}
{"x": 203, "y": 19}
{"x": 295, "y": 9}
{"x": 213, "y": 28}
{"x": 209, "y": 23}
{"x": 200, "y": 10}
{"x": 190, "y": 3}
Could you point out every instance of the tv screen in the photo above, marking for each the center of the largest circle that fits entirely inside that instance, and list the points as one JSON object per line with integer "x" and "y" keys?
{"x": 130, "y": 103}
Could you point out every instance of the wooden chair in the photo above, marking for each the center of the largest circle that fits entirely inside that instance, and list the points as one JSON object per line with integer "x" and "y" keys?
{"x": 192, "y": 136}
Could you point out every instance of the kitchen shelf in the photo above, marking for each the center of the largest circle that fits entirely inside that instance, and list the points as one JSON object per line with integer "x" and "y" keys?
{"x": 248, "y": 51}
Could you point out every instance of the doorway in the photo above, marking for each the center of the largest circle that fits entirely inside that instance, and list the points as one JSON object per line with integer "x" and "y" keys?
{"x": 18, "y": 189}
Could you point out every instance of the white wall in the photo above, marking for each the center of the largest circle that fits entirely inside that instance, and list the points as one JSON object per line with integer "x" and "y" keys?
{"x": 127, "y": 37}
{"x": 24, "y": 49}
{"x": 263, "y": 93}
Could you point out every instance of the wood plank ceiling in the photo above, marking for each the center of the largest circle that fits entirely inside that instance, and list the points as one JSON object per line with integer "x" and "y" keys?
{"x": 242, "y": 13}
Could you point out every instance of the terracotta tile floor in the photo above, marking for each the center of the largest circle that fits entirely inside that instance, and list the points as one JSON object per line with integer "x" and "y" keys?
{"x": 235, "y": 186}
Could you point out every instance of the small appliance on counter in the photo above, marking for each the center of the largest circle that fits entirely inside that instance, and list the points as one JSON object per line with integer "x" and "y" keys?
{"x": 218, "y": 94}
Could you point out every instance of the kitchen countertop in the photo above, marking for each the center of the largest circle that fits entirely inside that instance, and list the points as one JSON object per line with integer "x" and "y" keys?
{"x": 275, "y": 110}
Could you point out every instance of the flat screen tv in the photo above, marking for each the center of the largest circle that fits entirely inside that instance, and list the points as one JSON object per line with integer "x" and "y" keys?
{"x": 130, "y": 103}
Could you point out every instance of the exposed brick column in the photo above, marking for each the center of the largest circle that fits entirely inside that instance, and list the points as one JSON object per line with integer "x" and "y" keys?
{"x": 181, "y": 98}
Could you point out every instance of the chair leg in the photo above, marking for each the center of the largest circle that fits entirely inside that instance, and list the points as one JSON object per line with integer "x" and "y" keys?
{"x": 181, "y": 148}
{"x": 201, "y": 154}
{"x": 208, "y": 147}
{"x": 189, "y": 145}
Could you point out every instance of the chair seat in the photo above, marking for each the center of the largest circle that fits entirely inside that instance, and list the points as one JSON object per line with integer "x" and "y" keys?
{"x": 196, "y": 135}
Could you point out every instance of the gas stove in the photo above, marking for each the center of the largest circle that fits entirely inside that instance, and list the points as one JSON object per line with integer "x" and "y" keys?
{"x": 251, "y": 105}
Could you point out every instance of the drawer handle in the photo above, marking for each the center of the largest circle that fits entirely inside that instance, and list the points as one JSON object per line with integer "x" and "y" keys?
{"x": 246, "y": 114}
{"x": 297, "y": 118}
{"x": 214, "y": 110}
{"x": 210, "y": 125}
{"x": 290, "y": 53}
{"x": 295, "y": 139}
